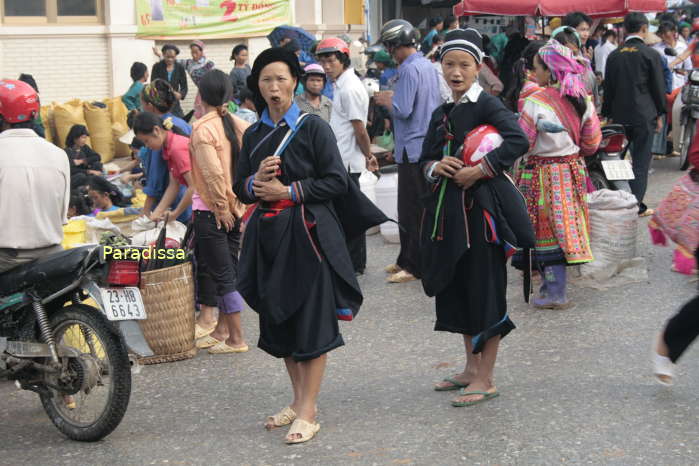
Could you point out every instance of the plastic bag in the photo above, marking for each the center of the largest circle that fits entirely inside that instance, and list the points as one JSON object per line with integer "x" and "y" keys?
{"x": 386, "y": 141}
{"x": 146, "y": 232}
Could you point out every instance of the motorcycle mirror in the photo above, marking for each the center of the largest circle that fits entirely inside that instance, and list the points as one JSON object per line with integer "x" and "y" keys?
{"x": 670, "y": 51}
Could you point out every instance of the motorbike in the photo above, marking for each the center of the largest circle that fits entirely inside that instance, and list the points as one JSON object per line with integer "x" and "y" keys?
{"x": 73, "y": 355}
{"x": 689, "y": 114}
{"x": 607, "y": 167}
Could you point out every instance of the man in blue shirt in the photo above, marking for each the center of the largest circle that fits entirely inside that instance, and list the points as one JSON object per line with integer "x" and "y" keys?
{"x": 414, "y": 98}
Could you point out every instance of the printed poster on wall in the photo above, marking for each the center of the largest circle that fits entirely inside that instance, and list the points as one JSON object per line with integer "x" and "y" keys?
{"x": 186, "y": 19}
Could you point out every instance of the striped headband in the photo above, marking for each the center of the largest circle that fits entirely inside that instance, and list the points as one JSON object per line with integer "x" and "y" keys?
{"x": 466, "y": 40}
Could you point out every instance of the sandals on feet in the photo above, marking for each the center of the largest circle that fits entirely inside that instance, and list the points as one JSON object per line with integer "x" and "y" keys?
{"x": 223, "y": 348}
{"x": 207, "y": 342}
{"x": 455, "y": 385}
{"x": 201, "y": 332}
{"x": 303, "y": 428}
{"x": 663, "y": 370}
{"x": 485, "y": 397}
{"x": 283, "y": 418}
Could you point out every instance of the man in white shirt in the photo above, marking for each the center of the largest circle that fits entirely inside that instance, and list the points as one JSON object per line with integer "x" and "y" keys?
{"x": 608, "y": 45}
{"x": 668, "y": 33}
{"x": 348, "y": 121}
{"x": 34, "y": 181}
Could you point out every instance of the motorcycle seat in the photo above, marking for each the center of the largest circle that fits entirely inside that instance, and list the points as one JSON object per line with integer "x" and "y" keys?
{"x": 45, "y": 268}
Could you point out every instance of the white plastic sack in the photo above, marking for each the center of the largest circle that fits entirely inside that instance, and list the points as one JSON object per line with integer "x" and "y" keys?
{"x": 367, "y": 184}
{"x": 95, "y": 228}
{"x": 175, "y": 230}
{"x": 613, "y": 236}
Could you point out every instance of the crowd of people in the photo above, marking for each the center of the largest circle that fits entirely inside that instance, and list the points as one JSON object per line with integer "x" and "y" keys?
{"x": 276, "y": 150}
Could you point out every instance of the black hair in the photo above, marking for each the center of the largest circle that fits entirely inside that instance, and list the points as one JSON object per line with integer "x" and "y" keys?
{"x": 136, "y": 143}
{"x": 20, "y": 125}
{"x": 101, "y": 185}
{"x": 166, "y": 93}
{"x": 146, "y": 122}
{"x": 667, "y": 17}
{"x": 568, "y": 36}
{"x": 438, "y": 37}
{"x": 245, "y": 94}
{"x": 29, "y": 79}
{"x": 634, "y": 22}
{"x": 665, "y": 27}
{"x": 449, "y": 20}
{"x": 578, "y": 103}
{"x": 131, "y": 117}
{"x": 341, "y": 57}
{"x": 75, "y": 132}
{"x": 435, "y": 21}
{"x": 216, "y": 89}
{"x": 608, "y": 33}
{"x": 80, "y": 201}
{"x": 138, "y": 71}
{"x": 575, "y": 18}
{"x": 237, "y": 49}
{"x": 521, "y": 66}
{"x": 172, "y": 47}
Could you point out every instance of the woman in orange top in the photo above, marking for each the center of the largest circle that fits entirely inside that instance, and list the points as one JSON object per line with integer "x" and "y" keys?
{"x": 214, "y": 147}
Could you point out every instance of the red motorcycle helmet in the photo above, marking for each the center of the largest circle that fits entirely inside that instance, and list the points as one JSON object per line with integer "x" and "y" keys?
{"x": 332, "y": 44}
{"x": 479, "y": 142}
{"x": 695, "y": 24}
{"x": 19, "y": 101}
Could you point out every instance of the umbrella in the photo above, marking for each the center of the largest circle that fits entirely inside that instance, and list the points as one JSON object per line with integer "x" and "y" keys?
{"x": 593, "y": 8}
{"x": 305, "y": 38}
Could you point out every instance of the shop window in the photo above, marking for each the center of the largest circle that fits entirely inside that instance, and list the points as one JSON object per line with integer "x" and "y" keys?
{"x": 51, "y": 11}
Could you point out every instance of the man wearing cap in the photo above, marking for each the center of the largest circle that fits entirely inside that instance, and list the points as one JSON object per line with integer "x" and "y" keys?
{"x": 414, "y": 98}
{"x": 348, "y": 120}
{"x": 312, "y": 100}
{"x": 387, "y": 67}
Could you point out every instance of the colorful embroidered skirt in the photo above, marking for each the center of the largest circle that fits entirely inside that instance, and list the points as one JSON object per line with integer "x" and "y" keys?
{"x": 556, "y": 195}
{"x": 677, "y": 216}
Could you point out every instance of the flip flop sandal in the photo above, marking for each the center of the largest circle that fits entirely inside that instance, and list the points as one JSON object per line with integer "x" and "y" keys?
{"x": 486, "y": 396}
{"x": 223, "y": 348}
{"x": 207, "y": 342}
{"x": 201, "y": 332}
{"x": 455, "y": 385}
{"x": 305, "y": 429}
{"x": 663, "y": 367}
{"x": 647, "y": 213}
{"x": 283, "y": 418}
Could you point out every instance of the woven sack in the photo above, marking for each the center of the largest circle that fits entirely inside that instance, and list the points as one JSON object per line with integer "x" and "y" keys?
{"x": 46, "y": 113}
{"x": 66, "y": 115}
{"x": 168, "y": 295}
{"x": 118, "y": 113}
{"x": 99, "y": 124}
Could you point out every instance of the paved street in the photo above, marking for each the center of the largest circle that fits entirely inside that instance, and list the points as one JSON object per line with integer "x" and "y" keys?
{"x": 575, "y": 388}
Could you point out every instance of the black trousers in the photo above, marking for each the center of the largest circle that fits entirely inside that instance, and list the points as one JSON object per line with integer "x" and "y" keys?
{"x": 216, "y": 251}
{"x": 357, "y": 246}
{"x": 641, "y": 142}
{"x": 682, "y": 329}
{"x": 411, "y": 186}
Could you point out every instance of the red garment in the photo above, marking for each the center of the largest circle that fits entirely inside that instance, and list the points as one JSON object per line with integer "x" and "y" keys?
{"x": 693, "y": 155}
{"x": 176, "y": 154}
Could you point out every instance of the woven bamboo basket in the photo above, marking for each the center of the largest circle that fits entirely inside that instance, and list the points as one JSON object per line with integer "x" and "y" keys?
{"x": 168, "y": 295}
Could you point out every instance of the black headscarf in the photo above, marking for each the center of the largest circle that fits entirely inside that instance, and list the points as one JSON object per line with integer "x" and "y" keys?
{"x": 265, "y": 58}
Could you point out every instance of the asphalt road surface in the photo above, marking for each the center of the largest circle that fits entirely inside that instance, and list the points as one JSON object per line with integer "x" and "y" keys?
{"x": 575, "y": 388}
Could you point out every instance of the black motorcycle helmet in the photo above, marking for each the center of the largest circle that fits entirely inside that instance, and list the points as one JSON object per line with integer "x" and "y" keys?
{"x": 398, "y": 32}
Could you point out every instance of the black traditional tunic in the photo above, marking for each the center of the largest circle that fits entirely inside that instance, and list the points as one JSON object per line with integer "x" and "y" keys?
{"x": 294, "y": 269}
{"x": 464, "y": 251}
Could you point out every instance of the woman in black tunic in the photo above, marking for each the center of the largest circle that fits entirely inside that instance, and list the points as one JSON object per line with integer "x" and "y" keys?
{"x": 170, "y": 70}
{"x": 295, "y": 270}
{"x": 473, "y": 219}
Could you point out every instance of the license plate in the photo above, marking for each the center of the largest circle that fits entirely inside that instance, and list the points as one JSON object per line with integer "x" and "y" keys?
{"x": 617, "y": 170}
{"x": 123, "y": 303}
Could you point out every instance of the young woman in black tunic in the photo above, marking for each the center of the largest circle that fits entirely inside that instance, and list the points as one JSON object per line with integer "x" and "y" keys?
{"x": 473, "y": 218}
{"x": 295, "y": 270}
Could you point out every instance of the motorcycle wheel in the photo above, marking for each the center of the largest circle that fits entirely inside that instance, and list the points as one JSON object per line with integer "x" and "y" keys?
{"x": 599, "y": 181}
{"x": 686, "y": 144}
{"x": 94, "y": 405}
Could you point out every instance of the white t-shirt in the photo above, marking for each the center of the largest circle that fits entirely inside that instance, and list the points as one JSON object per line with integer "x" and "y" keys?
{"x": 350, "y": 102}
{"x": 34, "y": 190}
{"x": 602, "y": 52}
{"x": 677, "y": 79}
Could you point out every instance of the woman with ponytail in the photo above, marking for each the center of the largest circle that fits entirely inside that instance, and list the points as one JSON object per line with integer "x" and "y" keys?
{"x": 524, "y": 81}
{"x": 561, "y": 124}
{"x": 215, "y": 147}
{"x": 162, "y": 135}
